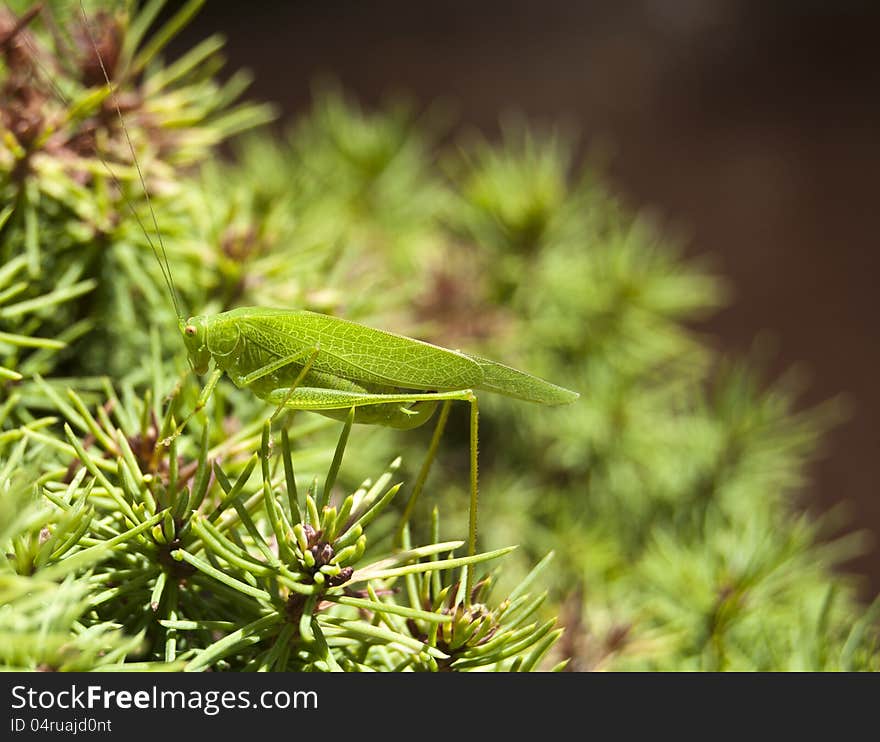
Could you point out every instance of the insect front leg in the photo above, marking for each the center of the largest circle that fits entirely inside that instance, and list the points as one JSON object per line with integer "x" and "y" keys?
{"x": 204, "y": 396}
{"x": 246, "y": 380}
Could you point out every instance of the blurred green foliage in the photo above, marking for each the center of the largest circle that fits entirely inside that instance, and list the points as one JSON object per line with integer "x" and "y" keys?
{"x": 668, "y": 493}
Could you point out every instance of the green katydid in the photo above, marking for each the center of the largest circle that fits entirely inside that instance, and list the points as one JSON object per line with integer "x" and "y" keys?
{"x": 308, "y": 361}
{"x": 302, "y": 360}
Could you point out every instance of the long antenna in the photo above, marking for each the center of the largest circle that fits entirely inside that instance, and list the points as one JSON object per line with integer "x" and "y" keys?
{"x": 160, "y": 253}
{"x": 163, "y": 262}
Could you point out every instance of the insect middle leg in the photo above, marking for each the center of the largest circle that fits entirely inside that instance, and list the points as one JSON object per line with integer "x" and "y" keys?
{"x": 280, "y": 363}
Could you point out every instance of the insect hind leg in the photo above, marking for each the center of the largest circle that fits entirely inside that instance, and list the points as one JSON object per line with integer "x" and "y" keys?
{"x": 396, "y": 410}
{"x": 398, "y": 416}
{"x": 330, "y": 401}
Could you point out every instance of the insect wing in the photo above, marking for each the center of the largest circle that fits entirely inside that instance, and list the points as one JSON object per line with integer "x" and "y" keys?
{"x": 360, "y": 353}
{"x": 517, "y": 384}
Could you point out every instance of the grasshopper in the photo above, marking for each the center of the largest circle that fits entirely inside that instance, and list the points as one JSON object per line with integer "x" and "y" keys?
{"x": 297, "y": 359}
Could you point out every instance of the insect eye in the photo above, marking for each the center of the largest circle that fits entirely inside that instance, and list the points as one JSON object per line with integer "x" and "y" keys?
{"x": 190, "y": 329}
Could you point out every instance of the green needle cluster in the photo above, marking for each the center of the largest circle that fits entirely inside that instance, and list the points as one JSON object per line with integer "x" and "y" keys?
{"x": 669, "y": 494}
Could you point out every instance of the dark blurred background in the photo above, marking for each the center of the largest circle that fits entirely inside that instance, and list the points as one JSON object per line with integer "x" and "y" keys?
{"x": 751, "y": 127}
